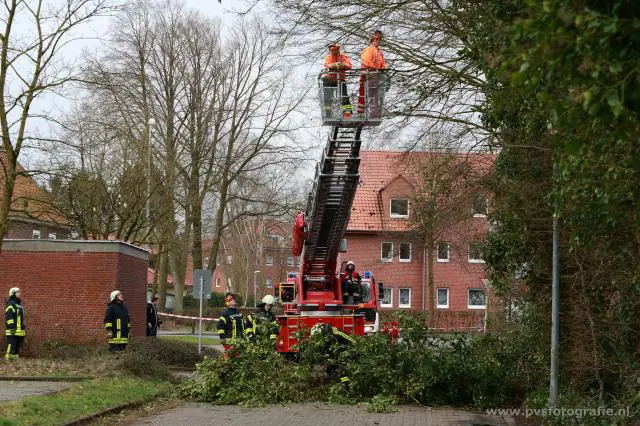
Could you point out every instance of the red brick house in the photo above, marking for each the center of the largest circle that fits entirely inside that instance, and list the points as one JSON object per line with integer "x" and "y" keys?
{"x": 264, "y": 259}
{"x": 31, "y": 215}
{"x": 382, "y": 239}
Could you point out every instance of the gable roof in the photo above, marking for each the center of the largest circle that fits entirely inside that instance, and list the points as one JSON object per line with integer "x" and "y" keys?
{"x": 379, "y": 170}
{"x": 29, "y": 201}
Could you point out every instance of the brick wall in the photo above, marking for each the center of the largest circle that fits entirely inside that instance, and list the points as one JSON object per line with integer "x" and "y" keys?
{"x": 458, "y": 275}
{"x": 66, "y": 287}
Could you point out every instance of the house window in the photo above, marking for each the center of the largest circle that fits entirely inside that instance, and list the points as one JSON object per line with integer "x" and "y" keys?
{"x": 217, "y": 281}
{"x": 299, "y": 260}
{"x": 268, "y": 283}
{"x": 399, "y": 207}
{"x": 443, "y": 251}
{"x": 74, "y": 235}
{"x": 405, "y": 252}
{"x": 387, "y": 300}
{"x": 290, "y": 261}
{"x": 229, "y": 260}
{"x": 386, "y": 251}
{"x": 480, "y": 205}
{"x": 443, "y": 298}
{"x": 269, "y": 260}
{"x": 35, "y": 234}
{"x": 52, "y": 236}
{"x": 477, "y": 299}
{"x": 475, "y": 254}
{"x": 404, "y": 300}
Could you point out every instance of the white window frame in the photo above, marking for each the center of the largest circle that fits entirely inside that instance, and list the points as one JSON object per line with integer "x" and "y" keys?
{"x": 35, "y": 234}
{"x": 386, "y": 259}
{"x": 469, "y": 254}
{"x": 486, "y": 206}
{"x": 442, "y": 306}
{"x": 405, "y": 305}
{"x": 217, "y": 282}
{"x": 387, "y": 305}
{"x": 267, "y": 258}
{"x": 469, "y": 305}
{"x": 291, "y": 261}
{"x": 400, "y": 252}
{"x": 52, "y": 236}
{"x": 438, "y": 258}
{"x": 268, "y": 282}
{"x": 395, "y": 215}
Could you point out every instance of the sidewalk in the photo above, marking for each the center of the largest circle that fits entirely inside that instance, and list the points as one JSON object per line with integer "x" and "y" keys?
{"x": 318, "y": 414}
{"x": 11, "y": 390}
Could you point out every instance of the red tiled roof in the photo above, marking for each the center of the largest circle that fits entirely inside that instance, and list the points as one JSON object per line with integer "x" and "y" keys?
{"x": 380, "y": 169}
{"x": 29, "y": 201}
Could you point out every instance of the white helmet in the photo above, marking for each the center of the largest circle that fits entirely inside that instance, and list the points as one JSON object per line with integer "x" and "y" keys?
{"x": 13, "y": 291}
{"x": 269, "y": 300}
{"x": 114, "y": 293}
{"x": 352, "y": 263}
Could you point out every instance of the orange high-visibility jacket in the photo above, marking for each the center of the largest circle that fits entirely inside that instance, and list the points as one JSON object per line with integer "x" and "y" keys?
{"x": 371, "y": 58}
{"x": 332, "y": 59}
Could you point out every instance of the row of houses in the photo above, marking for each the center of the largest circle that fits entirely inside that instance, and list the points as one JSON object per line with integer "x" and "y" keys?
{"x": 383, "y": 238}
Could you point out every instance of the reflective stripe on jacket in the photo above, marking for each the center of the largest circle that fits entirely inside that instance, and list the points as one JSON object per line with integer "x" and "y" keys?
{"x": 231, "y": 324}
{"x": 14, "y": 319}
{"x": 116, "y": 320}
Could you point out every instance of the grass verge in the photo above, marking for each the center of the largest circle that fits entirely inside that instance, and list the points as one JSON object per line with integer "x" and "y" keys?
{"x": 192, "y": 339}
{"x": 78, "y": 401}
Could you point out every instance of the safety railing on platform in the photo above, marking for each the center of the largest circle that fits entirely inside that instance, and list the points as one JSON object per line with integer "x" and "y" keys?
{"x": 352, "y": 98}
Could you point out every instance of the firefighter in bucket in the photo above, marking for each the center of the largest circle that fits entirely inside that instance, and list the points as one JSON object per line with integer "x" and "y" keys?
{"x": 333, "y": 80}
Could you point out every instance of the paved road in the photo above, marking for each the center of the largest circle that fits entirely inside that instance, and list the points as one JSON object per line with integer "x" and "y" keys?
{"x": 314, "y": 414}
{"x": 11, "y": 390}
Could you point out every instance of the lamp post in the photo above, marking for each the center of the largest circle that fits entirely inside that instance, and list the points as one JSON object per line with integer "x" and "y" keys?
{"x": 150, "y": 123}
{"x": 254, "y": 288}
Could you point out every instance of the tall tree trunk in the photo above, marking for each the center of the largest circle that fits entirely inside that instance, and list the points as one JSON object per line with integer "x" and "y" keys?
{"x": 431, "y": 285}
{"x": 162, "y": 286}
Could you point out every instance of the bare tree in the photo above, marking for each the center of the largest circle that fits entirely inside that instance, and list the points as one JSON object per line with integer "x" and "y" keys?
{"x": 442, "y": 205}
{"x": 435, "y": 87}
{"x": 33, "y": 41}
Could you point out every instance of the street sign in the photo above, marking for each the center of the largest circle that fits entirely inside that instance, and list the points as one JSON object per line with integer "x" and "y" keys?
{"x": 201, "y": 277}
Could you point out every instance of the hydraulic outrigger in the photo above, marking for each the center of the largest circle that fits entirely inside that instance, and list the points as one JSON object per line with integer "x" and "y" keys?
{"x": 315, "y": 295}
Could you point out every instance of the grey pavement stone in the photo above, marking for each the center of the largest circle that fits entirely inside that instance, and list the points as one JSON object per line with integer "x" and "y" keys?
{"x": 316, "y": 414}
{"x": 10, "y": 390}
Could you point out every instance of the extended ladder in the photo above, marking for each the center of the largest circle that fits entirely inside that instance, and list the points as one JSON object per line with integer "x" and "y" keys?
{"x": 329, "y": 203}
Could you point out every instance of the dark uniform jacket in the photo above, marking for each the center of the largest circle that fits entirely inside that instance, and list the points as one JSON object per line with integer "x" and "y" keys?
{"x": 152, "y": 315}
{"x": 231, "y": 325}
{"x": 263, "y": 322}
{"x": 116, "y": 320}
{"x": 14, "y": 318}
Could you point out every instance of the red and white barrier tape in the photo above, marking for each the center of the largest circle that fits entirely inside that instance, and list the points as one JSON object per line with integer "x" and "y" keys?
{"x": 186, "y": 317}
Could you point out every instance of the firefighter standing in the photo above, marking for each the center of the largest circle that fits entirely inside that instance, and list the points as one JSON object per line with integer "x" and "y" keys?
{"x": 351, "y": 283}
{"x": 152, "y": 317}
{"x": 14, "y": 323}
{"x": 263, "y": 321}
{"x": 371, "y": 62}
{"x": 116, "y": 321}
{"x": 231, "y": 325}
{"x": 337, "y": 63}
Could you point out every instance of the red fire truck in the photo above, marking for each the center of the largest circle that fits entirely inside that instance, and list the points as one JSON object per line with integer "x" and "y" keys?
{"x": 314, "y": 295}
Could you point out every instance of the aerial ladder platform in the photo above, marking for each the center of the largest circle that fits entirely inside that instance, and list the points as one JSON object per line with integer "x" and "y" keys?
{"x": 315, "y": 295}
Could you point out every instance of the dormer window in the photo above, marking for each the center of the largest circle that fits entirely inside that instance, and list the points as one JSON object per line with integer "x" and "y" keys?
{"x": 399, "y": 207}
{"x": 480, "y": 205}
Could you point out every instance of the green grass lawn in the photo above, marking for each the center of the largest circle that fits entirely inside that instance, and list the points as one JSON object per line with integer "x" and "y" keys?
{"x": 78, "y": 401}
{"x": 193, "y": 339}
